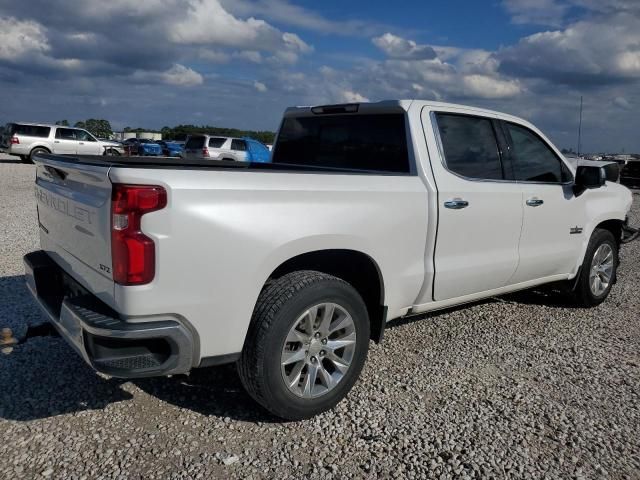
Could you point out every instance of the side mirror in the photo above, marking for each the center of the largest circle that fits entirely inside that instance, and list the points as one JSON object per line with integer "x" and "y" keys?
{"x": 588, "y": 177}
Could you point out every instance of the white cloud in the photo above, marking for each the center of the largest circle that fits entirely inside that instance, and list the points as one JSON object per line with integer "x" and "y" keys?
{"x": 259, "y": 86}
{"x": 622, "y": 103}
{"x": 181, "y": 76}
{"x": 352, "y": 97}
{"x": 18, "y": 38}
{"x": 249, "y": 55}
{"x": 208, "y": 23}
{"x": 538, "y": 12}
{"x": 482, "y": 86}
{"x": 398, "y": 47}
{"x": 597, "y": 50}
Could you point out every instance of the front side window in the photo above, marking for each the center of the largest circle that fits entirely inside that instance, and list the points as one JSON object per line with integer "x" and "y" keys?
{"x": 533, "y": 160}
{"x": 470, "y": 146}
{"x": 84, "y": 136}
{"x": 65, "y": 134}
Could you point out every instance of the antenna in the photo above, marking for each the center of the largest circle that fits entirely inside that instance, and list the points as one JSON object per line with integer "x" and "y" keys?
{"x": 580, "y": 128}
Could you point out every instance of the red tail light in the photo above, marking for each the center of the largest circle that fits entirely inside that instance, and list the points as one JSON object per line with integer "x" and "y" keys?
{"x": 133, "y": 255}
{"x": 15, "y": 141}
{"x": 205, "y": 152}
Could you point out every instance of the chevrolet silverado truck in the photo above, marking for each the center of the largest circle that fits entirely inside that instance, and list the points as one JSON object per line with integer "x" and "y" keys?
{"x": 368, "y": 212}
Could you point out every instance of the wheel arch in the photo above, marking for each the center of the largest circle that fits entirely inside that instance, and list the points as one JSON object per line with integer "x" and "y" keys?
{"x": 354, "y": 267}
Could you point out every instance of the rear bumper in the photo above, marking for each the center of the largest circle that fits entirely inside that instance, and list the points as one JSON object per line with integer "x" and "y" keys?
{"x": 108, "y": 343}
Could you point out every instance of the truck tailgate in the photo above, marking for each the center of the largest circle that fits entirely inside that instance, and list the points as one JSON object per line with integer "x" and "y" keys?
{"x": 74, "y": 208}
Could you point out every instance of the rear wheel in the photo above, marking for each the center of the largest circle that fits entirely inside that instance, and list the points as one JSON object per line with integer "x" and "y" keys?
{"x": 112, "y": 153}
{"x": 36, "y": 151}
{"x": 598, "y": 272}
{"x": 306, "y": 344}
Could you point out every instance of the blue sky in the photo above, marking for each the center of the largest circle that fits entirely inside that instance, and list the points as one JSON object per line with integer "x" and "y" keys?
{"x": 239, "y": 63}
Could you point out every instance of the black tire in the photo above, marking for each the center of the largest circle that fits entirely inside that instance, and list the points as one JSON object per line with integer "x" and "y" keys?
{"x": 111, "y": 153}
{"x": 34, "y": 152}
{"x": 24, "y": 158}
{"x": 582, "y": 293}
{"x": 279, "y": 306}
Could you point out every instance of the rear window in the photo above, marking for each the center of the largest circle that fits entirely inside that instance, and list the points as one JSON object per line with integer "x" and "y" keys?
{"x": 376, "y": 142}
{"x": 30, "y": 130}
{"x": 194, "y": 143}
{"x": 216, "y": 142}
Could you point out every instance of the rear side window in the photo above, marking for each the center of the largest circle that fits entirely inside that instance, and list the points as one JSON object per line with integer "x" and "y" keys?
{"x": 533, "y": 160}
{"x": 31, "y": 130}
{"x": 373, "y": 142}
{"x": 470, "y": 146}
{"x": 66, "y": 133}
{"x": 240, "y": 145}
{"x": 215, "y": 142}
{"x": 194, "y": 143}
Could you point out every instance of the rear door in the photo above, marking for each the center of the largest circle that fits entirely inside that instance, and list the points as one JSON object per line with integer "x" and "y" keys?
{"x": 479, "y": 211}
{"x": 554, "y": 218}
{"x": 239, "y": 150}
{"x": 65, "y": 142}
{"x": 74, "y": 208}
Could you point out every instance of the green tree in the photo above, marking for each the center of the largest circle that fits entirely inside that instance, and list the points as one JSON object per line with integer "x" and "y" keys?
{"x": 98, "y": 127}
{"x": 63, "y": 123}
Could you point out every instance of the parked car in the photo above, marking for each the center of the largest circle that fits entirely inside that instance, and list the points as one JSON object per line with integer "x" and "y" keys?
{"x": 25, "y": 140}
{"x": 630, "y": 173}
{"x": 225, "y": 148}
{"x": 366, "y": 213}
{"x": 142, "y": 147}
{"x": 171, "y": 149}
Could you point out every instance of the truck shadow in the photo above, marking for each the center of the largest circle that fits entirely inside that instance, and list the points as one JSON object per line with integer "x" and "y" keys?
{"x": 43, "y": 377}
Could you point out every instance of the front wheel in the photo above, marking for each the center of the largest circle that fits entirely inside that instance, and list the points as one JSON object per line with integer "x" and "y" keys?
{"x": 599, "y": 268}
{"x": 306, "y": 345}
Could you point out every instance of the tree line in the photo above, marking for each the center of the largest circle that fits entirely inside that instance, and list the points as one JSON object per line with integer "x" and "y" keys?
{"x": 102, "y": 128}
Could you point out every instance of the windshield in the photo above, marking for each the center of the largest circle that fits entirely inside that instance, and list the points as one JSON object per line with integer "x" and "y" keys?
{"x": 376, "y": 142}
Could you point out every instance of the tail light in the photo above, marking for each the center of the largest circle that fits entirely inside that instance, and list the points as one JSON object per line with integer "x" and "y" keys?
{"x": 133, "y": 256}
{"x": 15, "y": 140}
{"x": 205, "y": 152}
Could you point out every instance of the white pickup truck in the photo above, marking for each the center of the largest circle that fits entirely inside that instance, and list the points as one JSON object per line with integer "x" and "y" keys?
{"x": 366, "y": 213}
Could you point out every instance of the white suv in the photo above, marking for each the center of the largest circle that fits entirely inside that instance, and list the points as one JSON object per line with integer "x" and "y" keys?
{"x": 26, "y": 139}
{"x": 211, "y": 147}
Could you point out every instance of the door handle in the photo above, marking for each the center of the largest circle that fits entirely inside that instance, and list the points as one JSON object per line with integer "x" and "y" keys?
{"x": 456, "y": 204}
{"x": 535, "y": 202}
{"x": 81, "y": 143}
{"x": 56, "y": 141}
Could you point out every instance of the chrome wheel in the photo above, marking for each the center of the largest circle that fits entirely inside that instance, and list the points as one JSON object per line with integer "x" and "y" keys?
{"x": 601, "y": 269}
{"x": 318, "y": 350}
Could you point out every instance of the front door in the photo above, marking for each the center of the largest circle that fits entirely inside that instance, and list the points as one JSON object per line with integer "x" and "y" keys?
{"x": 552, "y": 227}
{"x": 479, "y": 212}
{"x": 87, "y": 144}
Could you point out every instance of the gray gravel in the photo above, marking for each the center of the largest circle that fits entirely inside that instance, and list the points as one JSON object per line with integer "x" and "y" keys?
{"x": 515, "y": 387}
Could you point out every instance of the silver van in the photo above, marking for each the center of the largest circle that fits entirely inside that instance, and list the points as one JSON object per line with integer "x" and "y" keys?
{"x": 24, "y": 140}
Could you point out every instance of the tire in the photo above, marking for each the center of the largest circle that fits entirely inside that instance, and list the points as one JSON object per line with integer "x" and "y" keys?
{"x": 280, "y": 307}
{"x": 25, "y": 159}
{"x": 111, "y": 153}
{"x": 35, "y": 151}
{"x": 586, "y": 292}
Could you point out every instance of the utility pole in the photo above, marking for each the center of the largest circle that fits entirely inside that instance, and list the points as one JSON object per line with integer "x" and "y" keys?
{"x": 580, "y": 128}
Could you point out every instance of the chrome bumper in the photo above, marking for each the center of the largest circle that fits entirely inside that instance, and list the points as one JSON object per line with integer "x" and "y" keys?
{"x": 106, "y": 342}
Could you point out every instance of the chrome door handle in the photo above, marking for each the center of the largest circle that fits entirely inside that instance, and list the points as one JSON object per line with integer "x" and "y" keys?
{"x": 56, "y": 141}
{"x": 81, "y": 143}
{"x": 456, "y": 204}
{"x": 534, "y": 202}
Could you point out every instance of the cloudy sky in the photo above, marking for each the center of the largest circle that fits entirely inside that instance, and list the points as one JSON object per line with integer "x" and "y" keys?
{"x": 239, "y": 63}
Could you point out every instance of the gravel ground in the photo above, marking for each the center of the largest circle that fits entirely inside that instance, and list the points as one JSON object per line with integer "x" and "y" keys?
{"x": 515, "y": 387}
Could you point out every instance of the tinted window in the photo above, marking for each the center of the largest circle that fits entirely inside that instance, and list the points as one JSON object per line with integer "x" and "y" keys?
{"x": 238, "y": 145}
{"x": 31, "y": 130}
{"x": 470, "y": 146}
{"x": 194, "y": 143}
{"x": 360, "y": 142}
{"x": 84, "y": 136}
{"x": 216, "y": 142}
{"x": 533, "y": 160}
{"x": 65, "y": 133}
